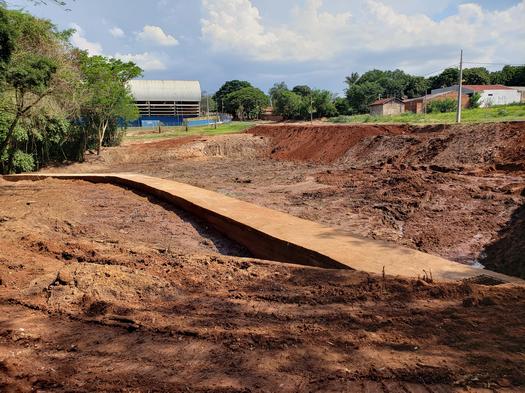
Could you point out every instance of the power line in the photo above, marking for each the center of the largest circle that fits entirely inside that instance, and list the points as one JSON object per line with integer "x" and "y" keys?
{"x": 440, "y": 70}
{"x": 500, "y": 64}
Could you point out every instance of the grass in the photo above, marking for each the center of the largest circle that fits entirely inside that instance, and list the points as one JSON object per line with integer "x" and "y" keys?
{"x": 478, "y": 115}
{"x": 146, "y": 134}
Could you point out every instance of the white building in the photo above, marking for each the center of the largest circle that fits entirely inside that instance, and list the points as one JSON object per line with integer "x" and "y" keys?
{"x": 490, "y": 94}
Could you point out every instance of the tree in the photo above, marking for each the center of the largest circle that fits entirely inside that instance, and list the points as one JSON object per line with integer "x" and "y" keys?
{"x": 228, "y": 87}
{"x": 322, "y": 103}
{"x": 417, "y": 86}
{"x": 302, "y": 90}
{"x": 288, "y": 104}
{"x": 361, "y": 95}
{"x": 38, "y": 73}
{"x": 476, "y": 76}
{"x": 449, "y": 77}
{"x": 109, "y": 98}
{"x": 247, "y": 103}
{"x": 353, "y": 78}
{"x": 509, "y": 76}
{"x": 342, "y": 106}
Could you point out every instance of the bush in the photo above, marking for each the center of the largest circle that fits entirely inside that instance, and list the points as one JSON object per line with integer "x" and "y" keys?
{"x": 442, "y": 106}
{"x": 23, "y": 162}
{"x": 474, "y": 101}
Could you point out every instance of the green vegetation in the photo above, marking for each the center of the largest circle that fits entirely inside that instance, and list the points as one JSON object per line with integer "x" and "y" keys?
{"x": 55, "y": 100}
{"x": 302, "y": 102}
{"x": 477, "y": 115}
{"x": 442, "y": 106}
{"x": 138, "y": 134}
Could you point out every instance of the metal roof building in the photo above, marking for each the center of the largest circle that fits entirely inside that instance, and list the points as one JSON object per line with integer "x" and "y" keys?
{"x": 166, "y": 101}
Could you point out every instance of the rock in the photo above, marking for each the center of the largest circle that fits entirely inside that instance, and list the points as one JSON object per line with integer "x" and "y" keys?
{"x": 65, "y": 277}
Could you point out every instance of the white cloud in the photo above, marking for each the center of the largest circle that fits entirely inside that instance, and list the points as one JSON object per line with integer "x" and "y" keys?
{"x": 374, "y": 27}
{"x": 116, "y": 32}
{"x": 147, "y": 61}
{"x": 155, "y": 35}
{"x": 78, "y": 40}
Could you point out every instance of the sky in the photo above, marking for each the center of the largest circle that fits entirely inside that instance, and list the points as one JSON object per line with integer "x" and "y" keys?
{"x": 313, "y": 42}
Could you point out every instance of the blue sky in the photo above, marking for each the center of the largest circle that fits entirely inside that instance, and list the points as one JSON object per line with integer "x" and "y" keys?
{"x": 312, "y": 42}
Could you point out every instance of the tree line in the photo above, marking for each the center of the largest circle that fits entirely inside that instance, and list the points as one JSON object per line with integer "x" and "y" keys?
{"x": 302, "y": 102}
{"x": 56, "y": 101}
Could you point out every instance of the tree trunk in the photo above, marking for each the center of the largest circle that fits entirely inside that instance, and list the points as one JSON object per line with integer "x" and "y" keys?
{"x": 101, "y": 133}
{"x": 10, "y": 131}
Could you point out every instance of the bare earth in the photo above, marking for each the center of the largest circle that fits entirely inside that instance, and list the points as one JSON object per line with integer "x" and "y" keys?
{"x": 104, "y": 289}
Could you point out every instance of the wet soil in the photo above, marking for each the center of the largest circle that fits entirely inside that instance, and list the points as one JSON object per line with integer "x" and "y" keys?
{"x": 102, "y": 289}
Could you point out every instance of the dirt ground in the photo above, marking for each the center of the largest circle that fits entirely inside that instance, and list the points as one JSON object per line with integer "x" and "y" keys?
{"x": 454, "y": 191}
{"x": 103, "y": 289}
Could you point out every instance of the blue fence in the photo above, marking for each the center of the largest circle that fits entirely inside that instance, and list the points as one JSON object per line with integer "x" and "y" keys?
{"x": 223, "y": 118}
{"x": 179, "y": 120}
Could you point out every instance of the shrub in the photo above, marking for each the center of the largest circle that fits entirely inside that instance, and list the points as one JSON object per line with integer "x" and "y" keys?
{"x": 442, "y": 106}
{"x": 23, "y": 162}
{"x": 474, "y": 101}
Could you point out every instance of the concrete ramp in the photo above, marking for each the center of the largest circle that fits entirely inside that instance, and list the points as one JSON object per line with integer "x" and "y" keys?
{"x": 270, "y": 234}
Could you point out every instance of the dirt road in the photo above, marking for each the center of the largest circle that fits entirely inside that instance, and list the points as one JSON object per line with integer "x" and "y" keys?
{"x": 102, "y": 289}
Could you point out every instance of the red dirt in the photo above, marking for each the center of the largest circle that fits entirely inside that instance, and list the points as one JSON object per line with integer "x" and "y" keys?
{"x": 319, "y": 143}
{"x": 102, "y": 289}
{"x": 454, "y": 191}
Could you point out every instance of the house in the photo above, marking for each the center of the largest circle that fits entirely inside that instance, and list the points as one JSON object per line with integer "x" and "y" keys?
{"x": 418, "y": 104}
{"x": 490, "y": 94}
{"x": 387, "y": 106}
{"x": 521, "y": 90}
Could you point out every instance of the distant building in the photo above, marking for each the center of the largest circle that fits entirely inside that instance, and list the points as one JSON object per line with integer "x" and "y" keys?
{"x": 387, "y": 106}
{"x": 418, "y": 104}
{"x": 490, "y": 94}
{"x": 521, "y": 90}
{"x": 166, "y": 102}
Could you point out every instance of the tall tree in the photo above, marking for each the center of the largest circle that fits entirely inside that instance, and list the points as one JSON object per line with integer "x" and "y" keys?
{"x": 228, "y": 87}
{"x": 302, "y": 90}
{"x": 448, "y": 77}
{"x": 361, "y": 95}
{"x": 109, "y": 98}
{"x": 476, "y": 76}
{"x": 247, "y": 103}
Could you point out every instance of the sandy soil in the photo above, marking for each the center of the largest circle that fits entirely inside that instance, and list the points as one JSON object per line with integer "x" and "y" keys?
{"x": 457, "y": 192}
{"x": 102, "y": 289}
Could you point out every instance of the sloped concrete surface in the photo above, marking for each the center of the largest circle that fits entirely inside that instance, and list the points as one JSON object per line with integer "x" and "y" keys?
{"x": 274, "y": 235}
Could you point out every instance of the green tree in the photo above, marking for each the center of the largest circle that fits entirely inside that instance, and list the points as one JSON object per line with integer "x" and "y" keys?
{"x": 361, "y": 95}
{"x": 247, "y": 103}
{"x": 323, "y": 103}
{"x": 449, "y": 77}
{"x": 417, "y": 86}
{"x": 343, "y": 106}
{"x": 302, "y": 90}
{"x": 109, "y": 99}
{"x": 509, "y": 76}
{"x": 288, "y": 104}
{"x": 476, "y": 76}
{"x": 228, "y": 87}
{"x": 37, "y": 77}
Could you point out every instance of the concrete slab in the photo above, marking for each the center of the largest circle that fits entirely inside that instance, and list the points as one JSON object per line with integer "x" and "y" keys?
{"x": 274, "y": 235}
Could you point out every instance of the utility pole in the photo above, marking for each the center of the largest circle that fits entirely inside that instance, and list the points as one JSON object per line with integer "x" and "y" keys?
{"x": 311, "y": 110}
{"x": 460, "y": 87}
{"x": 208, "y": 108}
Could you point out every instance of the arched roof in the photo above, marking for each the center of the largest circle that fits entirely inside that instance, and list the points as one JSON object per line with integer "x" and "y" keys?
{"x": 165, "y": 90}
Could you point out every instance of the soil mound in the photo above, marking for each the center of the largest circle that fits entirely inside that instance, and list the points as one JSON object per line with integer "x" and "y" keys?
{"x": 319, "y": 143}
{"x": 500, "y": 145}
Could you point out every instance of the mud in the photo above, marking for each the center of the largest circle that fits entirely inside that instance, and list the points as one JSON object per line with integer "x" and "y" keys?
{"x": 102, "y": 289}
